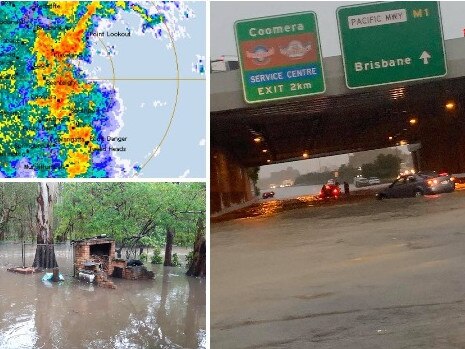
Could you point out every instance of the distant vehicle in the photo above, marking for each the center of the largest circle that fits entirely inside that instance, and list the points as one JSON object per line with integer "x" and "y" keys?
{"x": 422, "y": 183}
{"x": 268, "y": 194}
{"x": 329, "y": 191}
{"x": 374, "y": 180}
{"x": 272, "y": 186}
{"x": 331, "y": 181}
{"x": 288, "y": 182}
{"x": 361, "y": 182}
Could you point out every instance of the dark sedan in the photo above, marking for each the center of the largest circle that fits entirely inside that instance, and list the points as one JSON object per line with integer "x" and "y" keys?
{"x": 268, "y": 194}
{"x": 422, "y": 183}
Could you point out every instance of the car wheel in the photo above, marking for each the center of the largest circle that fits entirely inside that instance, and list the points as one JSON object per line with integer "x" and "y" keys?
{"x": 418, "y": 193}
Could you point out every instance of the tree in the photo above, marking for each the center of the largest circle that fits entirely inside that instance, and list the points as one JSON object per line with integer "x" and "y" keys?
{"x": 134, "y": 214}
{"x": 45, "y": 252}
{"x": 198, "y": 264}
{"x": 9, "y": 205}
{"x": 347, "y": 173}
{"x": 169, "y": 246}
{"x": 384, "y": 166}
{"x": 252, "y": 172}
{"x": 184, "y": 204}
{"x": 17, "y": 210}
{"x": 313, "y": 178}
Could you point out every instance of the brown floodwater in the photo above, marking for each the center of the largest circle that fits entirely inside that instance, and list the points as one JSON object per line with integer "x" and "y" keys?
{"x": 168, "y": 312}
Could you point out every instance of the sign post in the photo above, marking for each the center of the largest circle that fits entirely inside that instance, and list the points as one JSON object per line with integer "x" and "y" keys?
{"x": 389, "y": 42}
{"x": 280, "y": 57}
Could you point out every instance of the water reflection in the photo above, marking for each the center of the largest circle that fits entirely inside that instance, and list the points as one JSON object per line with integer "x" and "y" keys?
{"x": 168, "y": 312}
{"x": 19, "y": 330}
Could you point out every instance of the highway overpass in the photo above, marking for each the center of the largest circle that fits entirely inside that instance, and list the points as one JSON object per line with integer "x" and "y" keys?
{"x": 429, "y": 113}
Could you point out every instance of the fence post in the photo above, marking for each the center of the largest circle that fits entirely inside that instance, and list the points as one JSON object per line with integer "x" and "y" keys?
{"x": 23, "y": 254}
{"x": 74, "y": 266}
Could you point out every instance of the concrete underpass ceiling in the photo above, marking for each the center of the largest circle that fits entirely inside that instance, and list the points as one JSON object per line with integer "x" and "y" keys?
{"x": 330, "y": 125}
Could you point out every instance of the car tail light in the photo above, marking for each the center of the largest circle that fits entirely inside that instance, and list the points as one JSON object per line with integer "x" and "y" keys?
{"x": 443, "y": 174}
{"x": 335, "y": 191}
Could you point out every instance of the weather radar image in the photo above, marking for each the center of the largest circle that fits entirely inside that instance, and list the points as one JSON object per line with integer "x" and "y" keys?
{"x": 98, "y": 89}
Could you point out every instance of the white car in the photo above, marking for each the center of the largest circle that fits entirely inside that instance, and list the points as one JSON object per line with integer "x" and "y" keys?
{"x": 361, "y": 182}
{"x": 374, "y": 180}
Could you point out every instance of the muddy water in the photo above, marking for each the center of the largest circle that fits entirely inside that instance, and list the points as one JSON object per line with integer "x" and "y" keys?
{"x": 168, "y": 312}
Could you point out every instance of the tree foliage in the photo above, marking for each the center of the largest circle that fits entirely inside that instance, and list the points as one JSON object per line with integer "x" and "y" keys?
{"x": 313, "y": 178}
{"x": 347, "y": 173}
{"x": 126, "y": 209}
{"x": 384, "y": 166}
{"x": 17, "y": 211}
{"x": 253, "y": 172}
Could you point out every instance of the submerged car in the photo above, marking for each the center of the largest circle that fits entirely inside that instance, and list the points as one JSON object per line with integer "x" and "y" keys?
{"x": 422, "y": 183}
{"x": 268, "y": 194}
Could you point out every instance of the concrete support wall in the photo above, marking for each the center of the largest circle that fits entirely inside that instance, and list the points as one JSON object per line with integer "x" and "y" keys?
{"x": 230, "y": 184}
{"x": 443, "y": 146}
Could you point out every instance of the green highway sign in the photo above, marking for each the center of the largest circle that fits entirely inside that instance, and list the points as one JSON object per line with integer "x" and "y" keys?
{"x": 280, "y": 57}
{"x": 389, "y": 42}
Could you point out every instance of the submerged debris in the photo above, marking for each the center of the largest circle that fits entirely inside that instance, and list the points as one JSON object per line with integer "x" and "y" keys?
{"x": 26, "y": 270}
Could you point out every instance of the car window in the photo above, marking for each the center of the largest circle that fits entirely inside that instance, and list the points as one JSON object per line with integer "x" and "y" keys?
{"x": 427, "y": 174}
{"x": 400, "y": 181}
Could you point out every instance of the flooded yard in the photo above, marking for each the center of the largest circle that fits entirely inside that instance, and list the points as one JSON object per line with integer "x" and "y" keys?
{"x": 167, "y": 312}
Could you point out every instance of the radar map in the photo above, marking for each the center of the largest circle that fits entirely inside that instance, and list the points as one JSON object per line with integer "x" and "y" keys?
{"x": 102, "y": 89}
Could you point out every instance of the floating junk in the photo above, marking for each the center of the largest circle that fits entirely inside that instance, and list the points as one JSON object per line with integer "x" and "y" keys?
{"x": 55, "y": 276}
{"x": 24, "y": 269}
{"x": 94, "y": 262}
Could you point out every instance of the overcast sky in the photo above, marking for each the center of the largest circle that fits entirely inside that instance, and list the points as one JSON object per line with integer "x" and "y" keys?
{"x": 223, "y": 14}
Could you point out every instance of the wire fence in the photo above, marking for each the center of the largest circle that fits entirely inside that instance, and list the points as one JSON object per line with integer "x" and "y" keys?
{"x": 21, "y": 254}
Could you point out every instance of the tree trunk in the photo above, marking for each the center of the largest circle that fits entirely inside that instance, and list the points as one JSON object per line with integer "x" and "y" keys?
{"x": 56, "y": 275}
{"x": 169, "y": 246}
{"x": 45, "y": 257}
{"x": 45, "y": 252}
{"x": 198, "y": 266}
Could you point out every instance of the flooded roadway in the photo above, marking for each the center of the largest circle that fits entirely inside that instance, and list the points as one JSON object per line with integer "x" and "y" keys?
{"x": 361, "y": 274}
{"x": 168, "y": 312}
{"x": 291, "y": 198}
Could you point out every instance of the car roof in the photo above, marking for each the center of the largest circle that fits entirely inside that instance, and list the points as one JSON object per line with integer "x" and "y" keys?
{"x": 427, "y": 172}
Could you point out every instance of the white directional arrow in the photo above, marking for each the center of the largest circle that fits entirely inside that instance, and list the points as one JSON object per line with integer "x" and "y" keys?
{"x": 425, "y": 56}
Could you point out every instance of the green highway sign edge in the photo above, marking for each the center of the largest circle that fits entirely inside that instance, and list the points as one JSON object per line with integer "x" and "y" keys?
{"x": 387, "y": 83}
{"x": 319, "y": 54}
